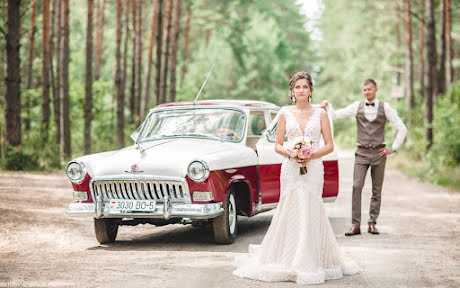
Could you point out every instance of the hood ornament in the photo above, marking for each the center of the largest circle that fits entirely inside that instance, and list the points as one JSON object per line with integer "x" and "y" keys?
{"x": 134, "y": 169}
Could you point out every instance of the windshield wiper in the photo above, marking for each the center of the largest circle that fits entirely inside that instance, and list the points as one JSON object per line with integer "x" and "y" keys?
{"x": 204, "y": 135}
{"x": 210, "y": 136}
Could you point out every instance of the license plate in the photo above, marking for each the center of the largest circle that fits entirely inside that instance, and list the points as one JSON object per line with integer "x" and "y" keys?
{"x": 131, "y": 206}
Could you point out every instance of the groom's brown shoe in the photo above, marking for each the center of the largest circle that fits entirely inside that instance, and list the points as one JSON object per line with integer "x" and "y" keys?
{"x": 354, "y": 230}
{"x": 372, "y": 229}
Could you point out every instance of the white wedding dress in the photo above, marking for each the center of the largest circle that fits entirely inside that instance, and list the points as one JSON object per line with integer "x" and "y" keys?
{"x": 300, "y": 245}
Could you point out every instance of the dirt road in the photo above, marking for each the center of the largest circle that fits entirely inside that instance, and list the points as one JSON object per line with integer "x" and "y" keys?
{"x": 41, "y": 246}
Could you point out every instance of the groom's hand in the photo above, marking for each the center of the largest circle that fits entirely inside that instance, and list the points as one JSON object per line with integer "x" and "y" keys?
{"x": 324, "y": 104}
{"x": 385, "y": 151}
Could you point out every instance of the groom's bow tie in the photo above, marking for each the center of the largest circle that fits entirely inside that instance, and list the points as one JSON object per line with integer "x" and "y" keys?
{"x": 370, "y": 104}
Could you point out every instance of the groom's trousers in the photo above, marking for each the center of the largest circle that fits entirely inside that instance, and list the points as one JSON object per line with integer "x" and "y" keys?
{"x": 365, "y": 158}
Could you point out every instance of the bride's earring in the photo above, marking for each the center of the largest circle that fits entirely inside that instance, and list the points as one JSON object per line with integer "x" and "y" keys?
{"x": 293, "y": 99}
{"x": 309, "y": 99}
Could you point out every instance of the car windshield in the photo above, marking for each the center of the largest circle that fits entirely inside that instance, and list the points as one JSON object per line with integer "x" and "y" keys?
{"x": 224, "y": 124}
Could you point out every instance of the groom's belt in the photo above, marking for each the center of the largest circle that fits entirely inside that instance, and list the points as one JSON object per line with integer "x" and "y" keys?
{"x": 371, "y": 147}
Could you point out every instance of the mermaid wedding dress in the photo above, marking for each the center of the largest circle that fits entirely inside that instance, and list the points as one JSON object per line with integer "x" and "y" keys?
{"x": 300, "y": 245}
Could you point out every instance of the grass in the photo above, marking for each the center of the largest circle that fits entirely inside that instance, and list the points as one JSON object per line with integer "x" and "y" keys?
{"x": 444, "y": 176}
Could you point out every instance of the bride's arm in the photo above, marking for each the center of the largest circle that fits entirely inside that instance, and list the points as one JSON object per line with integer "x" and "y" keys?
{"x": 327, "y": 136}
{"x": 280, "y": 134}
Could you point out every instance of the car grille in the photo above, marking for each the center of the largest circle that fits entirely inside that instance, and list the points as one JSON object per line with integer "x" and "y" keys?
{"x": 141, "y": 190}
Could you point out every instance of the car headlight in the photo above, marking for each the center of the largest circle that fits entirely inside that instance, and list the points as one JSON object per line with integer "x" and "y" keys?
{"x": 76, "y": 171}
{"x": 198, "y": 171}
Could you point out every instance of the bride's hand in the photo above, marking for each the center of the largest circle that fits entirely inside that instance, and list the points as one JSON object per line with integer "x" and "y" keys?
{"x": 303, "y": 162}
{"x": 291, "y": 153}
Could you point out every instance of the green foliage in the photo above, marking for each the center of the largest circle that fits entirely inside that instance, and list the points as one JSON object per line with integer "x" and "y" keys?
{"x": 357, "y": 43}
{"x": 439, "y": 164}
{"x": 255, "y": 46}
{"x": 49, "y": 157}
{"x": 446, "y": 146}
{"x": 17, "y": 159}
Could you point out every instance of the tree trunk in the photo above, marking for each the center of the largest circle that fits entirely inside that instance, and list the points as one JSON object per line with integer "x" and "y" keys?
{"x": 430, "y": 75}
{"x": 408, "y": 71}
{"x": 441, "y": 86}
{"x": 58, "y": 81}
{"x": 188, "y": 14}
{"x": 45, "y": 69}
{"x": 118, "y": 74}
{"x": 132, "y": 91}
{"x": 165, "y": 50}
{"x": 13, "y": 80}
{"x": 64, "y": 82}
{"x": 172, "y": 87}
{"x": 32, "y": 30}
{"x": 159, "y": 52}
{"x": 89, "y": 78}
{"x": 398, "y": 40}
{"x": 54, "y": 82}
{"x": 138, "y": 62}
{"x": 449, "y": 70}
{"x": 125, "y": 49}
{"x": 421, "y": 45}
{"x": 148, "y": 68}
{"x": 100, "y": 19}
{"x": 31, "y": 45}
{"x": 455, "y": 55}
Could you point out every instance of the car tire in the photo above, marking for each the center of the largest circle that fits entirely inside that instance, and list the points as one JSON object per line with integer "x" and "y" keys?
{"x": 225, "y": 226}
{"x": 106, "y": 230}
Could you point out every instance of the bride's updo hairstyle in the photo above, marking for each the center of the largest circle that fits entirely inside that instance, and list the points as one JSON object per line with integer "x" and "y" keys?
{"x": 294, "y": 78}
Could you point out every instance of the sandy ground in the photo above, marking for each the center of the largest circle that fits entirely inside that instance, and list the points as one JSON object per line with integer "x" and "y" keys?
{"x": 41, "y": 246}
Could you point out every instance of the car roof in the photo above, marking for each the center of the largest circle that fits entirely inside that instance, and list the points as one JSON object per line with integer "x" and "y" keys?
{"x": 226, "y": 103}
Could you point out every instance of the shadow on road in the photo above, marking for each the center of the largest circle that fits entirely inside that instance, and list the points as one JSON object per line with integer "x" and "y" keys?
{"x": 189, "y": 238}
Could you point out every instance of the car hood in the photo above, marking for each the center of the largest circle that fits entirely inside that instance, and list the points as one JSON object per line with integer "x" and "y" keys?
{"x": 168, "y": 158}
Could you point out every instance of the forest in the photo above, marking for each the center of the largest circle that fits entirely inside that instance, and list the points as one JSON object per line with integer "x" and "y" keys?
{"x": 80, "y": 76}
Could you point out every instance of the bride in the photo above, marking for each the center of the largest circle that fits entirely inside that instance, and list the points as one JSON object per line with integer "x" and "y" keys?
{"x": 300, "y": 245}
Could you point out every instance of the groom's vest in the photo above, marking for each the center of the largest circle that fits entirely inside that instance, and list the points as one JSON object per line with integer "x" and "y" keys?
{"x": 371, "y": 133}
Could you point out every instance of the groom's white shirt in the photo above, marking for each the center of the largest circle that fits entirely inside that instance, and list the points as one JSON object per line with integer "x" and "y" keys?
{"x": 370, "y": 113}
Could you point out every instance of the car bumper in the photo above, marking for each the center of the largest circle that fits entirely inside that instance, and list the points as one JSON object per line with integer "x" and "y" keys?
{"x": 165, "y": 210}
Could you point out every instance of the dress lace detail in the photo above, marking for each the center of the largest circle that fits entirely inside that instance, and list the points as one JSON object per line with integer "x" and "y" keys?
{"x": 300, "y": 245}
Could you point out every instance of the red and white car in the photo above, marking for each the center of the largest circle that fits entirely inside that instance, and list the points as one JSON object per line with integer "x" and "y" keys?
{"x": 192, "y": 162}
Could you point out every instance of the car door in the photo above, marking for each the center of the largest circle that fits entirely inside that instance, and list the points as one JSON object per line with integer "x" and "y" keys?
{"x": 269, "y": 165}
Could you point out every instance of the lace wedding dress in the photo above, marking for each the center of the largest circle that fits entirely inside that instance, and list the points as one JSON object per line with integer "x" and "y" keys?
{"x": 300, "y": 245}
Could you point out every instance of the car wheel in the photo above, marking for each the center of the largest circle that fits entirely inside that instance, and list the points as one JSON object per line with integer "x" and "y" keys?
{"x": 225, "y": 226}
{"x": 106, "y": 230}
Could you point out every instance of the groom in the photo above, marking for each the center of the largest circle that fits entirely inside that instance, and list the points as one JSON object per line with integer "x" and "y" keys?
{"x": 371, "y": 115}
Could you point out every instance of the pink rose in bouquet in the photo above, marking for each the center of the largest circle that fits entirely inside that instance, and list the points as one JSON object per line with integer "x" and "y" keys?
{"x": 305, "y": 151}
{"x": 301, "y": 150}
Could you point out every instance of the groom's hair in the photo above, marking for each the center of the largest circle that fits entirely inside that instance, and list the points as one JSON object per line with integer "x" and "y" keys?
{"x": 370, "y": 81}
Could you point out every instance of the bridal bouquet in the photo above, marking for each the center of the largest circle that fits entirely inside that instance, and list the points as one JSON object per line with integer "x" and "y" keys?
{"x": 301, "y": 149}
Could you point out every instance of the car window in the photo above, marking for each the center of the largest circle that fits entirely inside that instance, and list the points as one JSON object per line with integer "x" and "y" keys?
{"x": 257, "y": 123}
{"x": 216, "y": 123}
{"x": 271, "y": 132}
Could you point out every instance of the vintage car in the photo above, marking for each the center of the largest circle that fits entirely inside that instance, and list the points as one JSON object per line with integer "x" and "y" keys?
{"x": 196, "y": 163}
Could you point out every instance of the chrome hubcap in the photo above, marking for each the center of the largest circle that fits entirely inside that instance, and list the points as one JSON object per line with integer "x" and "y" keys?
{"x": 231, "y": 214}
